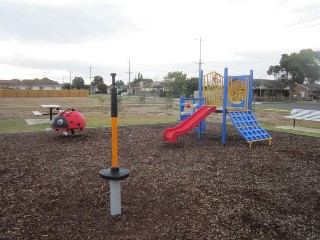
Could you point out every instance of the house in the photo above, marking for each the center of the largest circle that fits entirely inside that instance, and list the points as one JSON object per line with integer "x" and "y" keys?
{"x": 37, "y": 84}
{"x": 266, "y": 87}
{"x": 122, "y": 89}
{"x": 315, "y": 88}
{"x": 151, "y": 89}
{"x": 306, "y": 92}
{"x": 5, "y": 84}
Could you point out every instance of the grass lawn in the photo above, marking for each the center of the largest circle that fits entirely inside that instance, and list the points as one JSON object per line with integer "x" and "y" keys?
{"x": 96, "y": 110}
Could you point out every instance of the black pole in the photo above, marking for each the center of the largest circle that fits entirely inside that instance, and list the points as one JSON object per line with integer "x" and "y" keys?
{"x": 114, "y": 173}
{"x": 114, "y": 100}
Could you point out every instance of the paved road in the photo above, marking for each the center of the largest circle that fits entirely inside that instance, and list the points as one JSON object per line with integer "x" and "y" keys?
{"x": 306, "y": 106}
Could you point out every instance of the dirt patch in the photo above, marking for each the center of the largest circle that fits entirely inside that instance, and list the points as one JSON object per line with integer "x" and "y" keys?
{"x": 51, "y": 189}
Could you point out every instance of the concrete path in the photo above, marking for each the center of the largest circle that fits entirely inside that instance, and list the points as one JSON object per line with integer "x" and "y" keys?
{"x": 300, "y": 129}
{"x": 37, "y": 121}
{"x": 297, "y": 105}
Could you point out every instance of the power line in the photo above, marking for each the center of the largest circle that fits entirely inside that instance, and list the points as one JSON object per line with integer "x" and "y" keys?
{"x": 303, "y": 21}
{"x": 308, "y": 26}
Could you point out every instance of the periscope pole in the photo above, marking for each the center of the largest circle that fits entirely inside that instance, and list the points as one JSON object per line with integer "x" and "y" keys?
{"x": 114, "y": 174}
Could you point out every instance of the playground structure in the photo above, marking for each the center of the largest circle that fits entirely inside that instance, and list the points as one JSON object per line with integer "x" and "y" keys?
{"x": 229, "y": 95}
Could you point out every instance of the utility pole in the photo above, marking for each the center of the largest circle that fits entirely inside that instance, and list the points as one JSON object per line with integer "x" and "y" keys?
{"x": 70, "y": 86}
{"x": 200, "y": 62}
{"x": 200, "y": 59}
{"x": 70, "y": 81}
{"x": 90, "y": 82}
{"x": 129, "y": 78}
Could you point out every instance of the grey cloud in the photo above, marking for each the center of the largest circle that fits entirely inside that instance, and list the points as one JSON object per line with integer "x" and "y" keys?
{"x": 258, "y": 61}
{"x": 309, "y": 17}
{"x": 77, "y": 67}
{"x": 59, "y": 24}
{"x": 44, "y": 64}
{"x": 309, "y": 11}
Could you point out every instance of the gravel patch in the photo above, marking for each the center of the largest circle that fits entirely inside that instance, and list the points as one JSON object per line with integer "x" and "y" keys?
{"x": 193, "y": 189}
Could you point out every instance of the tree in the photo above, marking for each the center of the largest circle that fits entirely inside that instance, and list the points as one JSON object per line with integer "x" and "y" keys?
{"x": 87, "y": 87}
{"x": 310, "y": 63}
{"x": 66, "y": 86}
{"x": 297, "y": 68}
{"x": 96, "y": 80}
{"x": 119, "y": 82}
{"x": 176, "y": 83}
{"x": 78, "y": 83}
{"x": 139, "y": 79}
{"x": 102, "y": 87}
{"x": 192, "y": 85}
{"x": 147, "y": 81}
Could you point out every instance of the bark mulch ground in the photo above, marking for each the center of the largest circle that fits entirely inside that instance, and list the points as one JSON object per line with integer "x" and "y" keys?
{"x": 193, "y": 189}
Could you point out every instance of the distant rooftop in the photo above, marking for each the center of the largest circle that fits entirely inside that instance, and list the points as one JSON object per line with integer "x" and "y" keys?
{"x": 267, "y": 84}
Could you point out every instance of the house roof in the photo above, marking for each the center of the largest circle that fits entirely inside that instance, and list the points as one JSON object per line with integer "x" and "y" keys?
{"x": 313, "y": 87}
{"x": 123, "y": 87}
{"x": 154, "y": 84}
{"x": 35, "y": 82}
{"x": 38, "y": 82}
{"x": 6, "y": 81}
{"x": 267, "y": 84}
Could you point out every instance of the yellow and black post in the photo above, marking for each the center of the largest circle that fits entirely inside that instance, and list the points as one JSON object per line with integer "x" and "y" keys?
{"x": 114, "y": 174}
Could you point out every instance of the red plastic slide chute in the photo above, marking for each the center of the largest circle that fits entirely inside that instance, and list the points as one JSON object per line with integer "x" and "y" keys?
{"x": 186, "y": 126}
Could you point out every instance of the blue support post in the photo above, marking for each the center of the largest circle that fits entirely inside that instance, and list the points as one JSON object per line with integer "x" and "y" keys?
{"x": 250, "y": 90}
{"x": 181, "y": 108}
{"x": 201, "y": 125}
{"x": 200, "y": 89}
{"x": 225, "y": 102}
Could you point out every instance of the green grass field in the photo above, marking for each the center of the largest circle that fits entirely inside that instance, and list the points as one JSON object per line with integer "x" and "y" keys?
{"x": 132, "y": 111}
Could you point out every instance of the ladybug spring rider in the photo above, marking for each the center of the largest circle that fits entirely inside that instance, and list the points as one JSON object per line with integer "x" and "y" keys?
{"x": 68, "y": 120}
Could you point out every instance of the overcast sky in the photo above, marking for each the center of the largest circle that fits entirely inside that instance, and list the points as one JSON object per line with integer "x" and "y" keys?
{"x": 52, "y": 38}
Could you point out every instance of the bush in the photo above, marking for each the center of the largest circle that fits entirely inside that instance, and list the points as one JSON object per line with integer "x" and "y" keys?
{"x": 103, "y": 107}
{"x": 142, "y": 98}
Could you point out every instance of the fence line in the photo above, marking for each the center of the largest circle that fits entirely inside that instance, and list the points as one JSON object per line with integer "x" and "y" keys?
{"x": 5, "y": 93}
{"x": 271, "y": 99}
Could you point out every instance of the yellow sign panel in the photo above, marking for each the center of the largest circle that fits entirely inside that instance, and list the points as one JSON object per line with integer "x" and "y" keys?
{"x": 237, "y": 91}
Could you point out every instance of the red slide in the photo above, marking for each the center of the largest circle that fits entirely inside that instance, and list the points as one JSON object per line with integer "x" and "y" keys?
{"x": 171, "y": 134}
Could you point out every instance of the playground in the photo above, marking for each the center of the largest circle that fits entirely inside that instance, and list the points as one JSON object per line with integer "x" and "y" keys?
{"x": 196, "y": 179}
{"x": 193, "y": 189}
